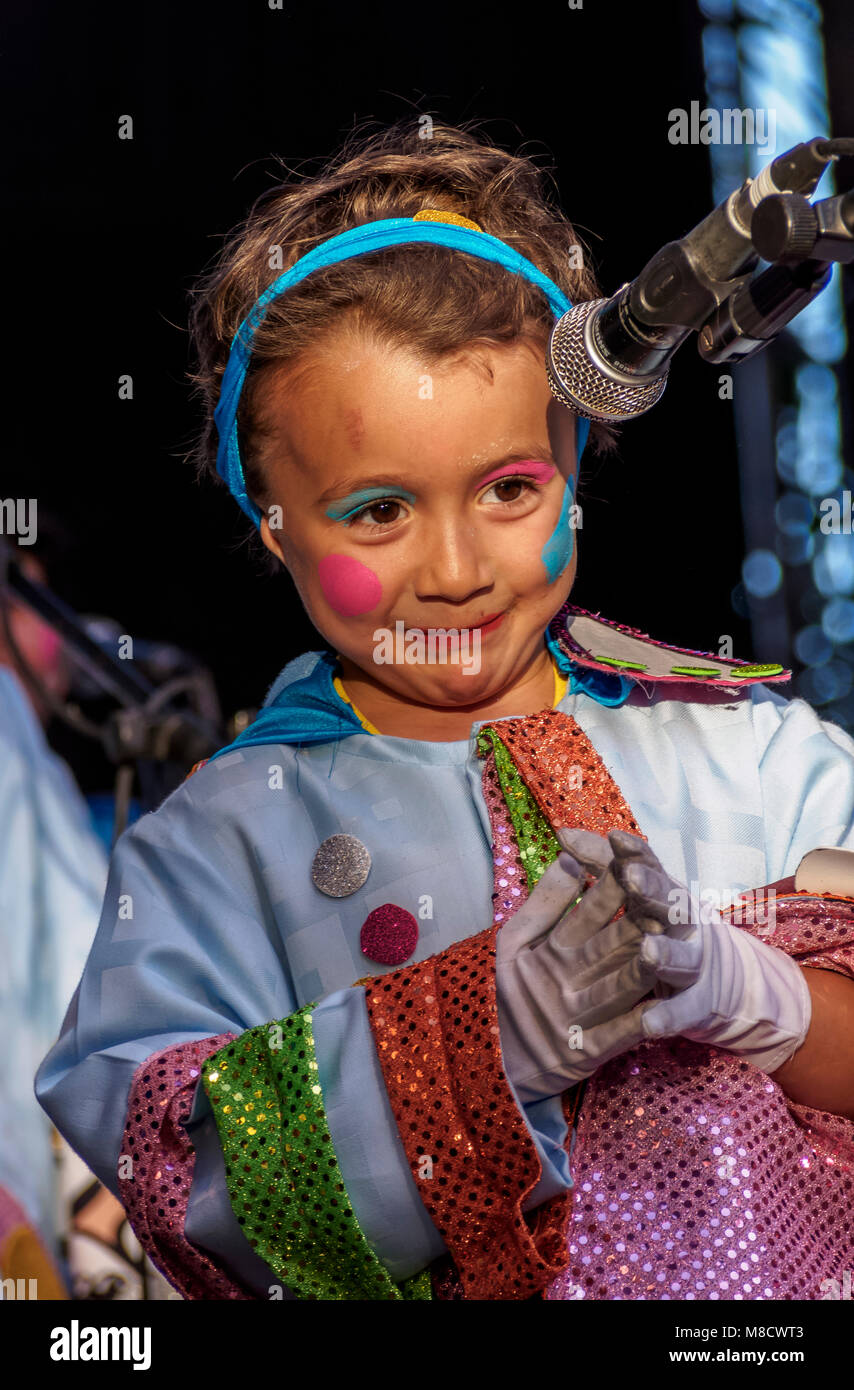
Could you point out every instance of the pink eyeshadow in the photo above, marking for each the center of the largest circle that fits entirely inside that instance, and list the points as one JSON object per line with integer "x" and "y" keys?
{"x": 538, "y": 470}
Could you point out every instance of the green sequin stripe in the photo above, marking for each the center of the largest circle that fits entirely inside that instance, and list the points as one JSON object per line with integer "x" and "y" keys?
{"x": 538, "y": 844}
{"x": 284, "y": 1183}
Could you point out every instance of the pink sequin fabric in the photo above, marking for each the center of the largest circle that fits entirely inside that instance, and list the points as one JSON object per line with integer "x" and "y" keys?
{"x": 155, "y": 1196}
{"x": 509, "y": 877}
{"x": 695, "y": 1176}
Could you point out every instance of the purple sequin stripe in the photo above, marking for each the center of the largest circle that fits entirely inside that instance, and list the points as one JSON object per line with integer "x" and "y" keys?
{"x": 572, "y": 649}
{"x": 696, "y": 1178}
{"x": 510, "y": 883}
{"x": 155, "y": 1197}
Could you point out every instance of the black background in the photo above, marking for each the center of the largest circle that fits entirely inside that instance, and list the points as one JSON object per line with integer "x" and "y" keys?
{"x": 104, "y": 237}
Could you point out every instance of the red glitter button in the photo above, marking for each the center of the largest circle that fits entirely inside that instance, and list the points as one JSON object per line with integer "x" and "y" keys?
{"x": 389, "y": 935}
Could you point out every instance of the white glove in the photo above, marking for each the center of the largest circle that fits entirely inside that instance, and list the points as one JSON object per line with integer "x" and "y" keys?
{"x": 729, "y": 989}
{"x": 568, "y": 982}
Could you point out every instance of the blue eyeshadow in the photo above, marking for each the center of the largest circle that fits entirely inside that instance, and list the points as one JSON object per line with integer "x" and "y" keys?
{"x": 339, "y": 511}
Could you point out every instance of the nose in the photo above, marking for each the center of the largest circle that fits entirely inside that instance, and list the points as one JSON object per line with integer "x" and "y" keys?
{"x": 452, "y": 566}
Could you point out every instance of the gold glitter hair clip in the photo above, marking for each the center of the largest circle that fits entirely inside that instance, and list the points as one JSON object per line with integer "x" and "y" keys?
{"x": 439, "y": 215}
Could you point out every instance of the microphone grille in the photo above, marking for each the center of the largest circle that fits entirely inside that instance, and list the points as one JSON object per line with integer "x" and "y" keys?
{"x": 586, "y": 388}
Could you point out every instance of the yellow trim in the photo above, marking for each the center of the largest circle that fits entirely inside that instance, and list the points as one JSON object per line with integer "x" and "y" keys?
{"x": 561, "y": 683}
{"x": 365, "y": 723}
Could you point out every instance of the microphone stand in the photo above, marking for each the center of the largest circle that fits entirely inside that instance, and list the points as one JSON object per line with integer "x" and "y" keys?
{"x": 145, "y": 727}
{"x": 608, "y": 359}
{"x": 802, "y": 239}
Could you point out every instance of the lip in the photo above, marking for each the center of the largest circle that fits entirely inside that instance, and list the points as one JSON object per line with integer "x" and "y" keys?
{"x": 491, "y": 623}
{"x": 488, "y": 625}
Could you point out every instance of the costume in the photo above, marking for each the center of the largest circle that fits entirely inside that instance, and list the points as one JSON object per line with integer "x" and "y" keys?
{"x": 284, "y": 1053}
{"x": 231, "y": 939}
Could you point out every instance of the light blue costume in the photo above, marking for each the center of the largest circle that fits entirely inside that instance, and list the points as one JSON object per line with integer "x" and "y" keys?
{"x": 229, "y": 931}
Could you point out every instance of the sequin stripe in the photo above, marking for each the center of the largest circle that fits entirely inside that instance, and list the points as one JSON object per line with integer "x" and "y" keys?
{"x": 536, "y": 845}
{"x": 510, "y": 891}
{"x": 817, "y": 928}
{"x": 435, "y": 1026}
{"x": 544, "y": 766}
{"x": 155, "y": 1189}
{"x": 509, "y": 874}
{"x": 697, "y": 1177}
{"x": 558, "y": 764}
{"x": 694, "y": 1180}
{"x": 284, "y": 1183}
{"x": 831, "y": 1136}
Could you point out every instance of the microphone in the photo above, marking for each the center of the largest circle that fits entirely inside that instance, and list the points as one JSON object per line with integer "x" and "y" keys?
{"x": 608, "y": 359}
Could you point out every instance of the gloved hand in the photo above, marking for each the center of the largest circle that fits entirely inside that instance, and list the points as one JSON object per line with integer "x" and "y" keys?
{"x": 728, "y": 988}
{"x": 568, "y": 982}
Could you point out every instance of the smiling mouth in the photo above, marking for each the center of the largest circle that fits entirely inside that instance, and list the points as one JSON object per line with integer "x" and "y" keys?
{"x": 466, "y": 627}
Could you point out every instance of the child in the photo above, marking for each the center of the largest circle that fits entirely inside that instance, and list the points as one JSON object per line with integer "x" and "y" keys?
{"x": 338, "y": 1036}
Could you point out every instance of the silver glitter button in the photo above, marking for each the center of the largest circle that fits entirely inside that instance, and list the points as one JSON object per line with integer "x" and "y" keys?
{"x": 341, "y": 865}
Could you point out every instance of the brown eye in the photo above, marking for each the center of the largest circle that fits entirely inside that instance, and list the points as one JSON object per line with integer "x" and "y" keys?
{"x": 365, "y": 516}
{"x": 383, "y": 508}
{"x": 511, "y": 483}
{"x": 523, "y": 486}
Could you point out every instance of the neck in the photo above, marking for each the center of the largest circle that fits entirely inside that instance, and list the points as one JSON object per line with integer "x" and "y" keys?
{"x": 399, "y": 717}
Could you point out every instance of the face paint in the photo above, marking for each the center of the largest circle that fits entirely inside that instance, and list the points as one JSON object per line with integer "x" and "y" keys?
{"x": 339, "y": 511}
{"x": 538, "y": 471}
{"x": 348, "y": 586}
{"x": 557, "y": 551}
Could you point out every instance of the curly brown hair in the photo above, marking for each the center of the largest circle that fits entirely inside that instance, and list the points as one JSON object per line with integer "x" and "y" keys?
{"x": 423, "y": 297}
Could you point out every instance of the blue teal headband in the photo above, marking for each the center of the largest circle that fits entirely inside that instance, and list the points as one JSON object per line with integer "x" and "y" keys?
{"x": 441, "y": 228}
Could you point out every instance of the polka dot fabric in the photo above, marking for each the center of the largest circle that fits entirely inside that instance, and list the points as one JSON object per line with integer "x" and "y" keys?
{"x": 436, "y": 1031}
{"x": 565, "y": 774}
{"x": 697, "y": 1178}
{"x": 285, "y": 1186}
{"x": 156, "y": 1192}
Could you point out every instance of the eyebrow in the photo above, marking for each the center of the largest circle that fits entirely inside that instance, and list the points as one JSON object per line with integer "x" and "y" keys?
{"x": 355, "y": 482}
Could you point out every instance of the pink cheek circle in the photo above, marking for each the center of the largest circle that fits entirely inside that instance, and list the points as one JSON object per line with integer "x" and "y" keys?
{"x": 348, "y": 586}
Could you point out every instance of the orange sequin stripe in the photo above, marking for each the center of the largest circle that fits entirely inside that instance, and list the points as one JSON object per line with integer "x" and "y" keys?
{"x": 435, "y": 1026}
{"x": 551, "y": 750}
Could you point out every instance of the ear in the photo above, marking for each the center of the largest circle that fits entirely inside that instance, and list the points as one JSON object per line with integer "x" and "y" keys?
{"x": 271, "y": 539}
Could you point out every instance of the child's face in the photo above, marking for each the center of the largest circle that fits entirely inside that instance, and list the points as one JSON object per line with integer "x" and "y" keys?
{"x": 394, "y": 479}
